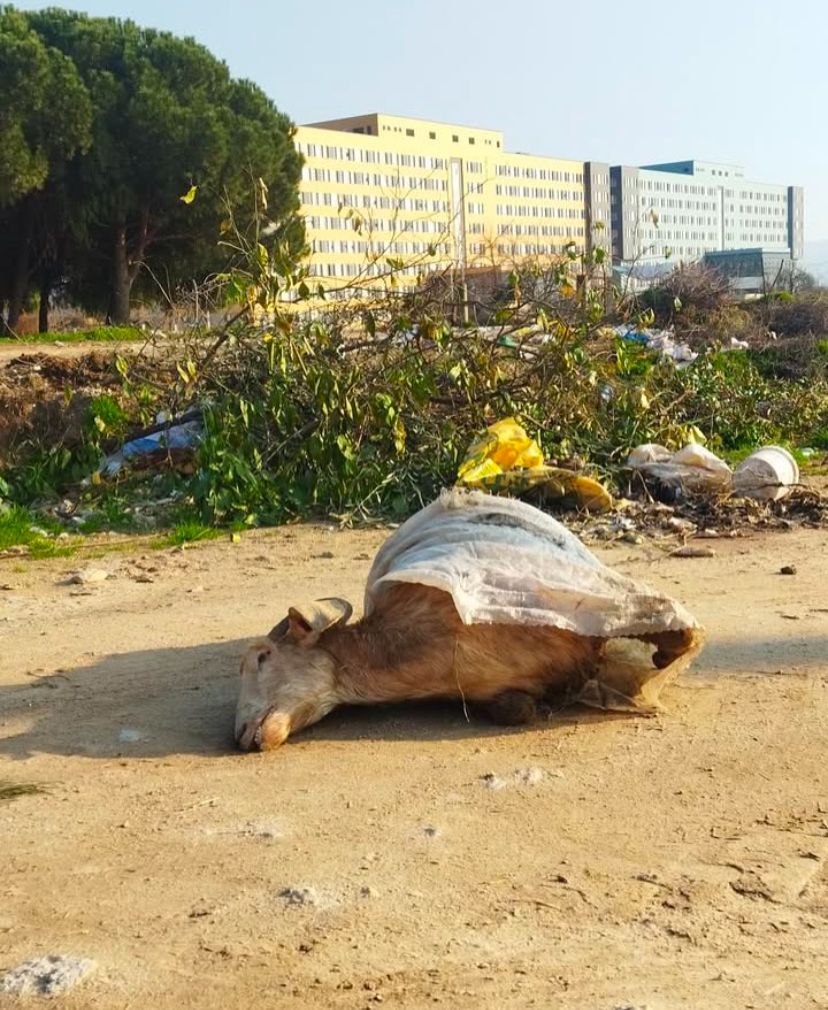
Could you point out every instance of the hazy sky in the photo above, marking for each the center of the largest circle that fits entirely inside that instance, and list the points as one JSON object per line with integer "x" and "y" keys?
{"x": 625, "y": 82}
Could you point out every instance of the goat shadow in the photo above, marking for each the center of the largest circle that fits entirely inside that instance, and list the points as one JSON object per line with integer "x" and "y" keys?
{"x": 165, "y": 701}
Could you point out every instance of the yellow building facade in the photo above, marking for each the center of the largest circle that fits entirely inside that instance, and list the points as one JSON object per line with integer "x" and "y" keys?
{"x": 384, "y": 194}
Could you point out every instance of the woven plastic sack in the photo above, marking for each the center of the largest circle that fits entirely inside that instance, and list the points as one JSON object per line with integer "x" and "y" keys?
{"x": 504, "y": 562}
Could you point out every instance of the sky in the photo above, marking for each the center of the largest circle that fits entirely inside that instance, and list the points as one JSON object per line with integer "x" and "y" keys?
{"x": 630, "y": 82}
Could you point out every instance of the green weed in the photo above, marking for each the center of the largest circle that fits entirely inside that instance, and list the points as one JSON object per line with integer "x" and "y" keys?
{"x": 187, "y": 532}
{"x": 14, "y": 790}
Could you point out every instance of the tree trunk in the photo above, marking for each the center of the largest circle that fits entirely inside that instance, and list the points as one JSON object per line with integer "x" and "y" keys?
{"x": 20, "y": 280}
{"x": 121, "y": 281}
{"x": 43, "y": 310}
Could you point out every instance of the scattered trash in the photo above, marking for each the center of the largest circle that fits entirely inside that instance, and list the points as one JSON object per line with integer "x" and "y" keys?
{"x": 662, "y": 341}
{"x": 162, "y": 439}
{"x": 505, "y": 458}
{"x": 737, "y": 345}
{"x": 52, "y": 975}
{"x": 692, "y": 470}
{"x": 681, "y": 525}
{"x": 650, "y": 452}
{"x": 768, "y": 474}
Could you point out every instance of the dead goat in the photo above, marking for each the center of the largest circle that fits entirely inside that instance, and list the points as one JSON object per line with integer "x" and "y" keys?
{"x": 483, "y": 636}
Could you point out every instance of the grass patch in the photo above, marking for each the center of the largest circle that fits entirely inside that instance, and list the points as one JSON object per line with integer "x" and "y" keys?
{"x": 19, "y": 527}
{"x": 14, "y": 790}
{"x": 188, "y": 532}
{"x": 100, "y": 334}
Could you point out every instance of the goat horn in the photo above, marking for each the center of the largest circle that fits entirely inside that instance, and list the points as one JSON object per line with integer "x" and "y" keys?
{"x": 340, "y": 604}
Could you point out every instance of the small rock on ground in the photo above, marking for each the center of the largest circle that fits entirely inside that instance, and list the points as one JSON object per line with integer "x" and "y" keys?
{"x": 87, "y": 576}
{"x": 529, "y": 776}
{"x": 299, "y": 896}
{"x": 694, "y": 552}
{"x": 52, "y": 975}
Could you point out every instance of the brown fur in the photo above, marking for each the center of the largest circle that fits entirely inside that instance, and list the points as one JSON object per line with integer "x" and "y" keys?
{"x": 413, "y": 646}
{"x": 416, "y": 646}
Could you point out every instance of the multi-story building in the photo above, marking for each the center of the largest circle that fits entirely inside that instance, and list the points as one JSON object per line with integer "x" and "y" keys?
{"x": 684, "y": 209}
{"x": 427, "y": 195}
{"x": 385, "y": 194}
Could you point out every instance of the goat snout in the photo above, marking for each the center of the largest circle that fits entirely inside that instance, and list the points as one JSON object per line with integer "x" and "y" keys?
{"x": 266, "y": 733}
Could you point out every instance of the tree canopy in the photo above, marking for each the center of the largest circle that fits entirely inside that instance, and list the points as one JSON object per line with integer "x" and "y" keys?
{"x": 106, "y": 127}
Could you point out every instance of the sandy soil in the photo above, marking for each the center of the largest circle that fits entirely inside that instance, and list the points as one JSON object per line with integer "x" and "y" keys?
{"x": 406, "y": 856}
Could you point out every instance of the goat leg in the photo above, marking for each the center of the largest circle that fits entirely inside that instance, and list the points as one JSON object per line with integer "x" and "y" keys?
{"x": 511, "y": 708}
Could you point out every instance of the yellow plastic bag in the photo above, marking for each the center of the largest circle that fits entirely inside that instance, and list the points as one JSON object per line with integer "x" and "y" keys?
{"x": 503, "y": 446}
{"x": 505, "y": 458}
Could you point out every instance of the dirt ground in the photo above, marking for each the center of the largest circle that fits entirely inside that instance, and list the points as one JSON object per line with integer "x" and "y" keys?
{"x": 12, "y": 349}
{"x": 406, "y": 856}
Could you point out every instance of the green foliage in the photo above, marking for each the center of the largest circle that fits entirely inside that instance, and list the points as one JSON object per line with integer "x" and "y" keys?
{"x": 44, "y": 470}
{"x": 155, "y": 118}
{"x": 313, "y": 428}
{"x": 45, "y": 111}
{"x": 819, "y": 439}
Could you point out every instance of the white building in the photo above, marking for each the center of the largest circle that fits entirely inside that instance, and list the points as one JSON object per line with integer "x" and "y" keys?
{"x": 678, "y": 211}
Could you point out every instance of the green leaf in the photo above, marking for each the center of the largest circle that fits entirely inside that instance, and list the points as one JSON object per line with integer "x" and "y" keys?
{"x": 190, "y": 195}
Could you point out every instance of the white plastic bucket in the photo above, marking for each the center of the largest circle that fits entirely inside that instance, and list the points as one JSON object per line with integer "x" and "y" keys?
{"x": 767, "y": 474}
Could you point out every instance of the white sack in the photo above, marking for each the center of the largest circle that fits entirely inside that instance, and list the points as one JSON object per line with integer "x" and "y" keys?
{"x": 506, "y": 562}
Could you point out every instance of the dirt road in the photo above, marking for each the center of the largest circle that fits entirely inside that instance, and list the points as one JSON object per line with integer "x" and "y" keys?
{"x": 9, "y": 350}
{"x": 406, "y": 856}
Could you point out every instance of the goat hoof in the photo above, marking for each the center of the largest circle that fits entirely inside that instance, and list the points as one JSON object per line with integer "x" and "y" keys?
{"x": 512, "y": 708}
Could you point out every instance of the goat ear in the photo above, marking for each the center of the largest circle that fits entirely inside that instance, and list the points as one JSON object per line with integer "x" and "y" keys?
{"x": 300, "y": 631}
{"x": 279, "y": 631}
{"x": 303, "y": 627}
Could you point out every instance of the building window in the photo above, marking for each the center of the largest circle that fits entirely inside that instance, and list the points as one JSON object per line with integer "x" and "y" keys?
{"x": 432, "y": 135}
{"x": 455, "y": 138}
{"x": 409, "y": 133}
{"x": 471, "y": 140}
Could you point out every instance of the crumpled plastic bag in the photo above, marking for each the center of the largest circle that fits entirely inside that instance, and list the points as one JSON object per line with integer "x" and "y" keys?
{"x": 505, "y": 458}
{"x": 693, "y": 468}
{"x": 502, "y": 446}
{"x": 662, "y": 341}
{"x": 505, "y": 562}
